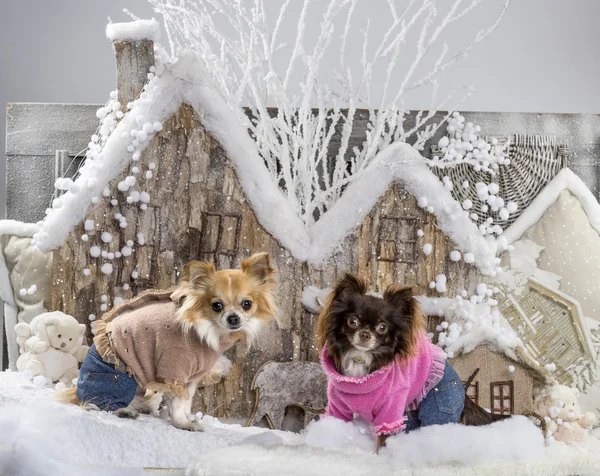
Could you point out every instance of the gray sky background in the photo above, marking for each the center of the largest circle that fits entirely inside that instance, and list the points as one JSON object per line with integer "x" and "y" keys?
{"x": 542, "y": 58}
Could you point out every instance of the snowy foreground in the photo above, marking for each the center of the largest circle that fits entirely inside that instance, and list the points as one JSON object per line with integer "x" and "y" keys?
{"x": 40, "y": 437}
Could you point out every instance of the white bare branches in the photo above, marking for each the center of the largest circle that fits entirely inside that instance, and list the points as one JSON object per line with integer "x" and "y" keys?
{"x": 241, "y": 47}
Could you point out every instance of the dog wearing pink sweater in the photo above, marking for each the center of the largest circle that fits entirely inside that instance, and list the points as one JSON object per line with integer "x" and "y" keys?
{"x": 381, "y": 366}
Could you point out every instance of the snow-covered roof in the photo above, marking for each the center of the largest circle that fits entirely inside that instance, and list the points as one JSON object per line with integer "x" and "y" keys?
{"x": 134, "y": 30}
{"x": 489, "y": 336}
{"x": 564, "y": 180}
{"x": 183, "y": 82}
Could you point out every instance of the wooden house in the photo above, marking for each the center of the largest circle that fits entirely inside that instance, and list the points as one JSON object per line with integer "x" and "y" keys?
{"x": 206, "y": 201}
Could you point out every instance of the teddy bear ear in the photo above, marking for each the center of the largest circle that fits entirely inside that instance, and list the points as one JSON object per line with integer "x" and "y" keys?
{"x": 81, "y": 329}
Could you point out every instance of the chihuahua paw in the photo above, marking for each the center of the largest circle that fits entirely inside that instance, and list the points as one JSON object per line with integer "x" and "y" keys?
{"x": 190, "y": 426}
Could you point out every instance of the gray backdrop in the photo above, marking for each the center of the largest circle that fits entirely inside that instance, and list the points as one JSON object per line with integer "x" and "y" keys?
{"x": 542, "y": 58}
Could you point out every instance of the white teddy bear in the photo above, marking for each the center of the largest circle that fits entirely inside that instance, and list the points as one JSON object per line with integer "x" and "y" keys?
{"x": 52, "y": 346}
{"x": 562, "y": 412}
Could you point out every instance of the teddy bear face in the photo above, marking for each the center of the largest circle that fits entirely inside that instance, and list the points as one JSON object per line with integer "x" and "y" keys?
{"x": 565, "y": 399}
{"x": 64, "y": 336}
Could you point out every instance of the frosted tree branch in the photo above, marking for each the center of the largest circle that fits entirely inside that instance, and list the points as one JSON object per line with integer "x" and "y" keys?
{"x": 241, "y": 48}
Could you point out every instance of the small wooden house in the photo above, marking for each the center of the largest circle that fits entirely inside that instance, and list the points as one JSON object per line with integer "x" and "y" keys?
{"x": 504, "y": 381}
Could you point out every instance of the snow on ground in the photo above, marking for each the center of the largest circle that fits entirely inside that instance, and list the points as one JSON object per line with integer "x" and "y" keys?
{"x": 41, "y": 437}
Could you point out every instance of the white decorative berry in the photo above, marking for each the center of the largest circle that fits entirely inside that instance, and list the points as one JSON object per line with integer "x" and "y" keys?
{"x": 107, "y": 268}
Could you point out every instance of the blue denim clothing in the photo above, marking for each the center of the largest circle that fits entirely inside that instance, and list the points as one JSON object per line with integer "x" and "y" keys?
{"x": 443, "y": 404}
{"x": 102, "y": 385}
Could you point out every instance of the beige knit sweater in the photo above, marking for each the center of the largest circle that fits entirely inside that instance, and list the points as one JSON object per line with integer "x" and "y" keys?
{"x": 144, "y": 338}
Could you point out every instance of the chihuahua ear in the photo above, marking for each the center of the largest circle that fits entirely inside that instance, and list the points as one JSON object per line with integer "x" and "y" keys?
{"x": 259, "y": 267}
{"x": 200, "y": 274}
{"x": 350, "y": 284}
{"x": 399, "y": 296}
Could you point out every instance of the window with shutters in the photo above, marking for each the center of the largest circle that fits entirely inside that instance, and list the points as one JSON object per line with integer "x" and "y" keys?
{"x": 397, "y": 239}
{"x": 502, "y": 398}
{"x": 220, "y": 240}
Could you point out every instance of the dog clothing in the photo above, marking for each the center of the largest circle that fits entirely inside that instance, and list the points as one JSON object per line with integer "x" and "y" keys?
{"x": 382, "y": 397}
{"x": 144, "y": 339}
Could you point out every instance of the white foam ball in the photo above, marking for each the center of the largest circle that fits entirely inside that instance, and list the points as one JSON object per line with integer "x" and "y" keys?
{"x": 420, "y": 233}
{"x": 493, "y": 188}
{"x": 107, "y": 268}
{"x": 427, "y": 248}
{"x": 134, "y": 274}
{"x": 23, "y": 292}
{"x": 85, "y": 237}
{"x": 511, "y": 368}
{"x": 430, "y": 209}
{"x": 148, "y": 128}
{"x": 455, "y": 255}
{"x": 130, "y": 180}
{"x": 86, "y": 271}
{"x": 157, "y": 126}
{"x": 95, "y": 251}
{"x": 145, "y": 197}
{"x": 59, "y": 387}
{"x": 469, "y": 257}
{"x": 512, "y": 207}
{"x": 126, "y": 251}
{"x": 39, "y": 381}
{"x": 467, "y": 204}
{"x": 106, "y": 237}
{"x": 422, "y": 202}
{"x": 92, "y": 317}
{"x": 148, "y": 174}
{"x": 504, "y": 214}
{"x": 481, "y": 289}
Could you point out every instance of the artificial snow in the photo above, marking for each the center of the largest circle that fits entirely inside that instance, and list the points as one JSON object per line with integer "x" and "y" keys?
{"x": 134, "y": 30}
{"x": 515, "y": 439}
{"x": 564, "y": 180}
{"x": 313, "y": 298}
{"x": 100, "y": 442}
{"x": 185, "y": 82}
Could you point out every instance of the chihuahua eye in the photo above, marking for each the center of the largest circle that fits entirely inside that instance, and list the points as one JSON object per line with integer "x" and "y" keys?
{"x": 217, "y": 306}
{"x": 353, "y": 322}
{"x": 381, "y": 328}
{"x": 59, "y": 336}
{"x": 246, "y": 304}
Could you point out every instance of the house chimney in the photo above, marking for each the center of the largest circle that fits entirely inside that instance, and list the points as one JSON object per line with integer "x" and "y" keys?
{"x": 134, "y": 51}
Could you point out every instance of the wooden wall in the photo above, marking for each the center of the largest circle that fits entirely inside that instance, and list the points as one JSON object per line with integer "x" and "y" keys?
{"x": 199, "y": 211}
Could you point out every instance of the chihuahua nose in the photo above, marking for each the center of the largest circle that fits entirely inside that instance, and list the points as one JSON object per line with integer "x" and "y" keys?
{"x": 233, "y": 320}
{"x": 364, "y": 335}
{"x": 62, "y": 345}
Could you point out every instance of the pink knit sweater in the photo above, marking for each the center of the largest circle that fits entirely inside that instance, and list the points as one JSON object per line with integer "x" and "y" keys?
{"x": 383, "y": 396}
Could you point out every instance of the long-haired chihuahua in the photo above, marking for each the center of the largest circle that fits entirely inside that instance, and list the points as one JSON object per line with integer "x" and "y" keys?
{"x": 169, "y": 342}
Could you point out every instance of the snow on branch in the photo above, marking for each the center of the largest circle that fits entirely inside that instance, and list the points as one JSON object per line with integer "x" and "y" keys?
{"x": 241, "y": 47}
